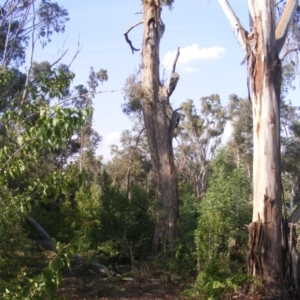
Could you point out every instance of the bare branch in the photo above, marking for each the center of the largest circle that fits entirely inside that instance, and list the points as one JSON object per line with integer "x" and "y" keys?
{"x": 6, "y": 42}
{"x": 13, "y": 155}
{"x": 170, "y": 88}
{"x": 88, "y": 94}
{"x": 288, "y": 51}
{"x": 77, "y": 51}
{"x": 128, "y": 40}
{"x": 33, "y": 40}
{"x": 234, "y": 22}
{"x": 175, "y": 119}
{"x": 17, "y": 34}
{"x": 285, "y": 21}
{"x": 59, "y": 59}
{"x": 295, "y": 216}
{"x": 175, "y": 60}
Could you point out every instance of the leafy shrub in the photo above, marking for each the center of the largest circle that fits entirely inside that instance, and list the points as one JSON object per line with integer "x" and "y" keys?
{"x": 221, "y": 236}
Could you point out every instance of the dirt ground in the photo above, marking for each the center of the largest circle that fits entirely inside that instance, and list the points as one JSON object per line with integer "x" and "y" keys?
{"x": 89, "y": 286}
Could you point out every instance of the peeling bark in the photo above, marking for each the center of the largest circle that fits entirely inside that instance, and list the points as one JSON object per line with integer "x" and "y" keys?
{"x": 265, "y": 257}
{"x": 273, "y": 257}
{"x": 159, "y": 128}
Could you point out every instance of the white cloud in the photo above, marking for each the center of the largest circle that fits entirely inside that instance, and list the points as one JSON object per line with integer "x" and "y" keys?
{"x": 192, "y": 54}
{"x": 190, "y": 70}
{"x": 111, "y": 137}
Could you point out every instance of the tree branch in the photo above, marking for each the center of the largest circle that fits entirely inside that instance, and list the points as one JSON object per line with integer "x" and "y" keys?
{"x": 128, "y": 40}
{"x": 87, "y": 94}
{"x": 31, "y": 56}
{"x": 170, "y": 88}
{"x": 77, "y": 52}
{"x": 175, "y": 119}
{"x": 59, "y": 59}
{"x": 283, "y": 25}
{"x": 13, "y": 155}
{"x": 287, "y": 52}
{"x": 234, "y": 22}
{"x": 175, "y": 60}
{"x": 295, "y": 216}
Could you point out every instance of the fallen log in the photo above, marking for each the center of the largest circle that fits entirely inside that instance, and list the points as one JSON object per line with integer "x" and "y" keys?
{"x": 45, "y": 240}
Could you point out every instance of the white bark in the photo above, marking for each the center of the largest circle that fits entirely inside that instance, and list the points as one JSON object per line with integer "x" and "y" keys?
{"x": 266, "y": 123}
{"x": 265, "y": 259}
{"x": 284, "y": 23}
{"x": 234, "y": 21}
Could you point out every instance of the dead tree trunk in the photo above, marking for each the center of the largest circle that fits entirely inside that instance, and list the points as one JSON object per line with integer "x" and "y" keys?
{"x": 160, "y": 125}
{"x": 267, "y": 234}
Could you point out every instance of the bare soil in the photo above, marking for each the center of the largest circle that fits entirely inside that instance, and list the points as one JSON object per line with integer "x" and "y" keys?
{"x": 91, "y": 286}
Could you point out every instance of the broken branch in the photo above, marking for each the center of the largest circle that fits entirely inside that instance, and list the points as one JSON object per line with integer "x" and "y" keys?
{"x": 175, "y": 61}
{"x": 128, "y": 40}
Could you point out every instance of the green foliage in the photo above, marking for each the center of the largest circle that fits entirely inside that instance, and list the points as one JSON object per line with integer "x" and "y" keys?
{"x": 221, "y": 237}
{"x": 45, "y": 18}
{"x": 199, "y": 135}
{"x": 185, "y": 255}
{"x": 217, "y": 280}
{"x": 48, "y": 281}
{"x": 114, "y": 226}
{"x": 133, "y": 95}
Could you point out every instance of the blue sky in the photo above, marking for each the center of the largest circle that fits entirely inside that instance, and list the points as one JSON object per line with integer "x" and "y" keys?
{"x": 210, "y": 59}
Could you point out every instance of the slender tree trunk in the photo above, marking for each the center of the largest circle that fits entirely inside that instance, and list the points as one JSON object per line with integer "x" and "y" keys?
{"x": 159, "y": 128}
{"x": 265, "y": 258}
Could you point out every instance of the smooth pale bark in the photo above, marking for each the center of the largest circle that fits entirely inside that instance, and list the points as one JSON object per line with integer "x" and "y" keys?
{"x": 265, "y": 258}
{"x": 267, "y": 232}
{"x": 159, "y": 128}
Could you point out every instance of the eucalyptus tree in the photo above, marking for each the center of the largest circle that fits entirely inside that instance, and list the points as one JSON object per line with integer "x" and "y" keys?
{"x": 240, "y": 142}
{"x": 160, "y": 121}
{"x": 262, "y": 46}
{"x": 88, "y": 137}
{"x": 22, "y": 22}
{"x": 131, "y": 163}
{"x": 198, "y": 136}
{"x": 290, "y": 140}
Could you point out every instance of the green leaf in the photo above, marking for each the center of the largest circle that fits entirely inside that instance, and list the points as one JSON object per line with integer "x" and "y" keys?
{"x": 20, "y": 140}
{"x": 59, "y": 246}
{"x": 77, "y": 234}
{"x": 26, "y": 292}
{"x": 59, "y": 277}
{"x": 51, "y": 289}
{"x": 73, "y": 249}
{"x": 50, "y": 282}
{"x": 48, "y": 275}
{"x": 57, "y": 263}
{"x": 43, "y": 113}
{"x": 68, "y": 259}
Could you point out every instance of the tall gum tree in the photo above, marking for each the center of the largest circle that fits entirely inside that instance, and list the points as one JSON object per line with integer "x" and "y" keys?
{"x": 160, "y": 121}
{"x": 268, "y": 258}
